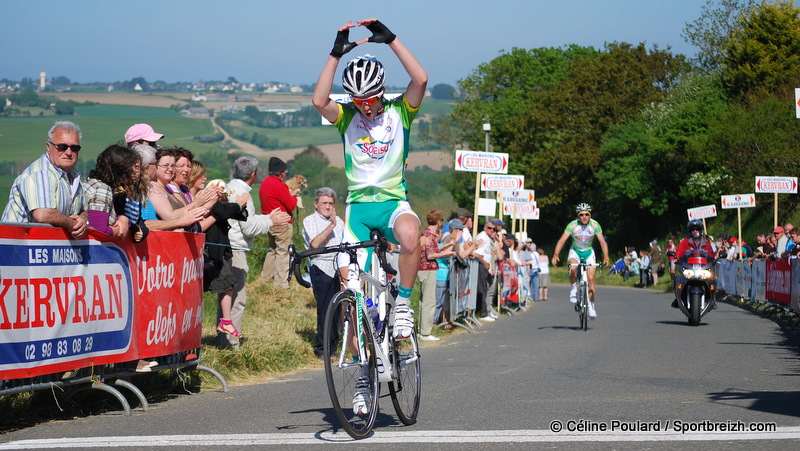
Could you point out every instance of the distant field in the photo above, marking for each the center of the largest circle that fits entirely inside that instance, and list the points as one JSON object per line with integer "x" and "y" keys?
{"x": 101, "y": 125}
{"x": 23, "y": 139}
{"x": 166, "y": 100}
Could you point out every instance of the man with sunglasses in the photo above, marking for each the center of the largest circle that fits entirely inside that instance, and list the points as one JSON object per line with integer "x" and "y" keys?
{"x": 49, "y": 191}
{"x": 375, "y": 134}
{"x": 582, "y": 230}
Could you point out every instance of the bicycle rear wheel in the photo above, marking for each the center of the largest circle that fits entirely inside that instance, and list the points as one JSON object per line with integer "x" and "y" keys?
{"x": 343, "y": 367}
{"x": 405, "y": 389}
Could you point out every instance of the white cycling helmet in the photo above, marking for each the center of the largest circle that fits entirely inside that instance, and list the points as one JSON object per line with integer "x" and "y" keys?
{"x": 583, "y": 206}
{"x": 363, "y": 77}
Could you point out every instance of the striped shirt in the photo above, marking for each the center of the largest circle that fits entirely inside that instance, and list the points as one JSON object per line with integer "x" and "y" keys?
{"x": 99, "y": 198}
{"x": 44, "y": 185}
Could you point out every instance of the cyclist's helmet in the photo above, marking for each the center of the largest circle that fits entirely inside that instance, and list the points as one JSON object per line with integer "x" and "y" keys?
{"x": 363, "y": 77}
{"x": 695, "y": 224}
{"x": 583, "y": 206}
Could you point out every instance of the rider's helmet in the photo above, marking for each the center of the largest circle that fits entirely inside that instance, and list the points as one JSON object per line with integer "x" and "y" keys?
{"x": 695, "y": 225}
{"x": 363, "y": 77}
{"x": 583, "y": 206}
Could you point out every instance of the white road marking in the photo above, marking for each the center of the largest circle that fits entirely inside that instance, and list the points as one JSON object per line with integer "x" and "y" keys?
{"x": 516, "y": 436}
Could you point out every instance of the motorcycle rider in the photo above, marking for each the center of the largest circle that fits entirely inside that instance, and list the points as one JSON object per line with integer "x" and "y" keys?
{"x": 695, "y": 240}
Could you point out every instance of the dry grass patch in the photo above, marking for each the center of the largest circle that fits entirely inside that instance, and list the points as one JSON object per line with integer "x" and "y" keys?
{"x": 279, "y": 330}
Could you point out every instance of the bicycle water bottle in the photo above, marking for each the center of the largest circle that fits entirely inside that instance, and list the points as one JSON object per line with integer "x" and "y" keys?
{"x": 372, "y": 308}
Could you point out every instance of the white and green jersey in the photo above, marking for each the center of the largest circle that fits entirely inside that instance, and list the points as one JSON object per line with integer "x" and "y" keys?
{"x": 583, "y": 235}
{"x": 376, "y": 151}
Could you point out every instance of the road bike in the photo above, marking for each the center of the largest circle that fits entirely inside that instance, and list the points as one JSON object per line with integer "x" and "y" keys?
{"x": 359, "y": 344}
{"x": 582, "y": 306}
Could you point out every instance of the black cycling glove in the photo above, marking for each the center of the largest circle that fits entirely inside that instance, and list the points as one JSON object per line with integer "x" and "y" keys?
{"x": 342, "y": 44}
{"x": 380, "y": 34}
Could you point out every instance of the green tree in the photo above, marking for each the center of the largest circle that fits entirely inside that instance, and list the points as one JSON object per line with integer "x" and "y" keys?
{"x": 498, "y": 91}
{"x": 65, "y": 108}
{"x": 654, "y": 165}
{"x": 710, "y": 32}
{"x": 556, "y": 141}
{"x": 308, "y": 163}
{"x": 764, "y": 52}
{"x": 443, "y": 91}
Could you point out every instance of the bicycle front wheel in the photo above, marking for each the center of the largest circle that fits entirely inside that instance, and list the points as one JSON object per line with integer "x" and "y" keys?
{"x": 584, "y": 302}
{"x": 344, "y": 368}
{"x": 405, "y": 388}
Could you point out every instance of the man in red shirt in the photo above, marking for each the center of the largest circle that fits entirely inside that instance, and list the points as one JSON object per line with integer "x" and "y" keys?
{"x": 275, "y": 194}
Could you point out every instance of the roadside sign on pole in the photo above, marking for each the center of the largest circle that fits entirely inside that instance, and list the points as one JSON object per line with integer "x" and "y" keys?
{"x": 517, "y": 210}
{"x": 487, "y": 207}
{"x": 520, "y": 197}
{"x": 786, "y": 185}
{"x": 797, "y": 103}
{"x": 490, "y": 162}
{"x": 492, "y": 182}
{"x": 524, "y": 211}
{"x": 706, "y": 211}
{"x": 739, "y": 201}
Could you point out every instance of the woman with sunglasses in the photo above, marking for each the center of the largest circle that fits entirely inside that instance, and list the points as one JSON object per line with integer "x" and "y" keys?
{"x": 375, "y": 133}
{"x": 582, "y": 231}
{"x": 166, "y": 205}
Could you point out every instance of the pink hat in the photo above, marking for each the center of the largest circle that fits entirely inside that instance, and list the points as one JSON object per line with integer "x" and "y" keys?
{"x": 778, "y": 229}
{"x": 142, "y": 132}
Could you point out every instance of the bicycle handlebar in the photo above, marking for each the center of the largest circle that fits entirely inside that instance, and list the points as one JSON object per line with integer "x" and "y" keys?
{"x": 584, "y": 264}
{"x": 378, "y": 241}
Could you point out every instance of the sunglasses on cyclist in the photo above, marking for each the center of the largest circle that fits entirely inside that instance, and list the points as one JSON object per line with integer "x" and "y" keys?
{"x": 63, "y": 147}
{"x": 584, "y": 214}
{"x": 369, "y": 100}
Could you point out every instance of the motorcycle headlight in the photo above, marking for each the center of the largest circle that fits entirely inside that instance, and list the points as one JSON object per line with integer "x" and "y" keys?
{"x": 704, "y": 274}
{"x": 688, "y": 273}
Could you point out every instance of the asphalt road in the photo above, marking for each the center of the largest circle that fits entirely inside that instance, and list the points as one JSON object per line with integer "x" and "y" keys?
{"x": 640, "y": 377}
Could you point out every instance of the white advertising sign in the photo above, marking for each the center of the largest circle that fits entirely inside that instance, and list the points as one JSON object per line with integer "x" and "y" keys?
{"x": 487, "y": 207}
{"x": 706, "y": 211}
{"x": 501, "y": 182}
{"x": 491, "y": 162}
{"x": 776, "y": 185}
{"x": 521, "y": 197}
{"x": 739, "y": 201}
{"x": 797, "y": 103}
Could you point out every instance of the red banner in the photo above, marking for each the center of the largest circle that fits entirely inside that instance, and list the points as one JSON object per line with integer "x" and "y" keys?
{"x": 169, "y": 293}
{"x": 67, "y": 304}
{"x": 779, "y": 281}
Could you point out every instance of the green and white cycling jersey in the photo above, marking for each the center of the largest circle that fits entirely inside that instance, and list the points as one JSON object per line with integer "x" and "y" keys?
{"x": 376, "y": 151}
{"x": 583, "y": 235}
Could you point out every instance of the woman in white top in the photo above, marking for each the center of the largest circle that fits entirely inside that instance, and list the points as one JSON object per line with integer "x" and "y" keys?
{"x": 544, "y": 274}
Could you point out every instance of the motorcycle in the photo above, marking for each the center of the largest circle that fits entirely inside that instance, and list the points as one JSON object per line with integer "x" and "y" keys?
{"x": 695, "y": 285}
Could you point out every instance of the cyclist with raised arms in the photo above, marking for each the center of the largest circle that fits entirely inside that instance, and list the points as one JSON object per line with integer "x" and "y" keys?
{"x": 375, "y": 134}
{"x": 582, "y": 230}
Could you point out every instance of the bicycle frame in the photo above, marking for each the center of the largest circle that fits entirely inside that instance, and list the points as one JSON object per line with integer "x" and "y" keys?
{"x": 582, "y": 278}
{"x": 378, "y": 287}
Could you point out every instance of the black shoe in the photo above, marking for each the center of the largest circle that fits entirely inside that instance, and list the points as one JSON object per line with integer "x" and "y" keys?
{"x": 674, "y": 303}
{"x": 577, "y": 307}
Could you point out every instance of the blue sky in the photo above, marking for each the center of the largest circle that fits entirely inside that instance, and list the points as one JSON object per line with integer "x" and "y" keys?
{"x": 288, "y": 41}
